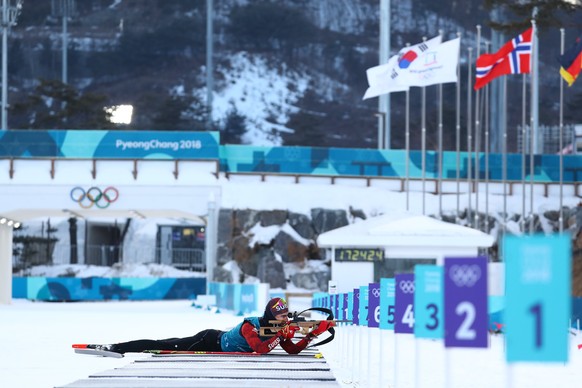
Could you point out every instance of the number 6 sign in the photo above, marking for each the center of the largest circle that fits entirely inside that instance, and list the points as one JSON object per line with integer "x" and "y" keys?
{"x": 466, "y": 318}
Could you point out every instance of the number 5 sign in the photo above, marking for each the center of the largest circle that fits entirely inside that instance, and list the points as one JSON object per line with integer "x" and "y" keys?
{"x": 466, "y": 318}
{"x": 537, "y": 297}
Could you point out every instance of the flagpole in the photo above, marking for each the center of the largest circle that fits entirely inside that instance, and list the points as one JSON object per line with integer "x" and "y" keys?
{"x": 423, "y": 144}
{"x": 469, "y": 139}
{"x": 440, "y": 141}
{"x": 407, "y": 140}
{"x": 561, "y": 218}
{"x": 533, "y": 127}
{"x": 384, "y": 100}
{"x": 458, "y": 131}
{"x": 536, "y": 144}
{"x": 523, "y": 147}
{"x": 504, "y": 155}
{"x": 440, "y": 153}
{"x": 477, "y": 138}
{"x": 407, "y": 123}
{"x": 487, "y": 150}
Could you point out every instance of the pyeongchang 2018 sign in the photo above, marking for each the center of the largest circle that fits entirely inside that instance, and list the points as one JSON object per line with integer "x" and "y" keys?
{"x": 111, "y": 144}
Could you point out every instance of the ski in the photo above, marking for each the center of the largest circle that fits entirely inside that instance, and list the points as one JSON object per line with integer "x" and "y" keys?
{"x": 202, "y": 352}
{"x": 92, "y": 350}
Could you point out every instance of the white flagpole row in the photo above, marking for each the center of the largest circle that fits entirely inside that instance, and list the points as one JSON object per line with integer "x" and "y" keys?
{"x": 477, "y": 138}
{"x": 440, "y": 145}
{"x": 423, "y": 145}
{"x": 458, "y": 134}
{"x": 469, "y": 137}
{"x": 407, "y": 123}
{"x": 504, "y": 157}
{"x": 523, "y": 148}
{"x": 487, "y": 44}
{"x": 561, "y": 134}
{"x": 533, "y": 111}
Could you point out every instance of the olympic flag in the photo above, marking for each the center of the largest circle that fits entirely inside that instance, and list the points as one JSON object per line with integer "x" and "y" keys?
{"x": 437, "y": 65}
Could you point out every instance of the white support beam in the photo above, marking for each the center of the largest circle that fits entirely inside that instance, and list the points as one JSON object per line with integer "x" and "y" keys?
{"x": 5, "y": 264}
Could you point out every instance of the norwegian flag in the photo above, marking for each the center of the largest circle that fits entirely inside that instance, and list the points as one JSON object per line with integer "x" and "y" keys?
{"x": 513, "y": 58}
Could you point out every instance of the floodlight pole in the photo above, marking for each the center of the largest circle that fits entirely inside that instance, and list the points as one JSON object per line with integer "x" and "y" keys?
{"x": 384, "y": 100}
{"x": 4, "y": 64}
{"x": 10, "y": 11}
{"x": 209, "y": 64}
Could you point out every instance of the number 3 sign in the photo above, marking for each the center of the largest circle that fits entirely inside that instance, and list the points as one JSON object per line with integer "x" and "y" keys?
{"x": 466, "y": 316}
{"x": 537, "y": 297}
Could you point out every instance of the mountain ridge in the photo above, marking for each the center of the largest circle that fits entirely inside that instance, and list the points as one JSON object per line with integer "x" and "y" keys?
{"x": 151, "y": 54}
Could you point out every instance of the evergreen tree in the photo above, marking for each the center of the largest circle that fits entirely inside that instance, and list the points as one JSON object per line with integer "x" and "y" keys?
{"x": 573, "y": 113}
{"x": 180, "y": 113}
{"x": 55, "y": 105}
{"x": 234, "y": 127}
{"x": 548, "y": 13}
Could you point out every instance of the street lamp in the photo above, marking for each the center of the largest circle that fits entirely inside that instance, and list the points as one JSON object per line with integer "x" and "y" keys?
{"x": 10, "y": 11}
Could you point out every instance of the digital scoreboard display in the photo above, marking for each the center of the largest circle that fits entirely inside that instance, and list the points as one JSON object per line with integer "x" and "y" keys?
{"x": 359, "y": 254}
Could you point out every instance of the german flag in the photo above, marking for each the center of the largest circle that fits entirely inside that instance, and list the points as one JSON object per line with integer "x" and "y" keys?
{"x": 571, "y": 62}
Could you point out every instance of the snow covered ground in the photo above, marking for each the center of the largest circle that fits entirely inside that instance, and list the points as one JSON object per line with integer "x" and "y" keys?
{"x": 36, "y": 340}
{"x": 36, "y": 337}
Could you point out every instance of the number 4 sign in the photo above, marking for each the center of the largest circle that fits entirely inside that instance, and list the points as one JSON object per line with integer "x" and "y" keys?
{"x": 537, "y": 297}
{"x": 404, "y": 303}
{"x": 466, "y": 318}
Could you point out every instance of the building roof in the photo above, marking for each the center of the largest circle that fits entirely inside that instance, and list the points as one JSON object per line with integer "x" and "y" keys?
{"x": 404, "y": 230}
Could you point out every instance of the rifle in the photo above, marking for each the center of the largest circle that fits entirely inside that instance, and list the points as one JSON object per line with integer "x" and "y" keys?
{"x": 305, "y": 326}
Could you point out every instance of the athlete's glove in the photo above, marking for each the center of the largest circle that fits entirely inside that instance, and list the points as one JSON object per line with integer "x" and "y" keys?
{"x": 322, "y": 327}
{"x": 288, "y": 331}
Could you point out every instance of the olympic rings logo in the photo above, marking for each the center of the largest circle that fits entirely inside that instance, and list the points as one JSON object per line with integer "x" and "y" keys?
{"x": 407, "y": 286}
{"x": 376, "y": 292}
{"x": 465, "y": 275}
{"x": 94, "y": 196}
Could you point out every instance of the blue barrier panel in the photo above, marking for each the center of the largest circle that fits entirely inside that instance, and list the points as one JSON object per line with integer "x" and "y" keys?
{"x": 240, "y": 298}
{"x": 248, "y": 299}
{"x": 93, "y": 288}
{"x": 110, "y": 144}
{"x": 283, "y": 160}
{"x": 390, "y": 163}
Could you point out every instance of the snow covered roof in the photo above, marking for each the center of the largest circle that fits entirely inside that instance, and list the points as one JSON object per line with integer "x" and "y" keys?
{"x": 404, "y": 230}
{"x": 29, "y": 214}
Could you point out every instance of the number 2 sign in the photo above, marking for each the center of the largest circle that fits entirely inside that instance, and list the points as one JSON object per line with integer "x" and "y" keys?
{"x": 466, "y": 319}
{"x": 537, "y": 297}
